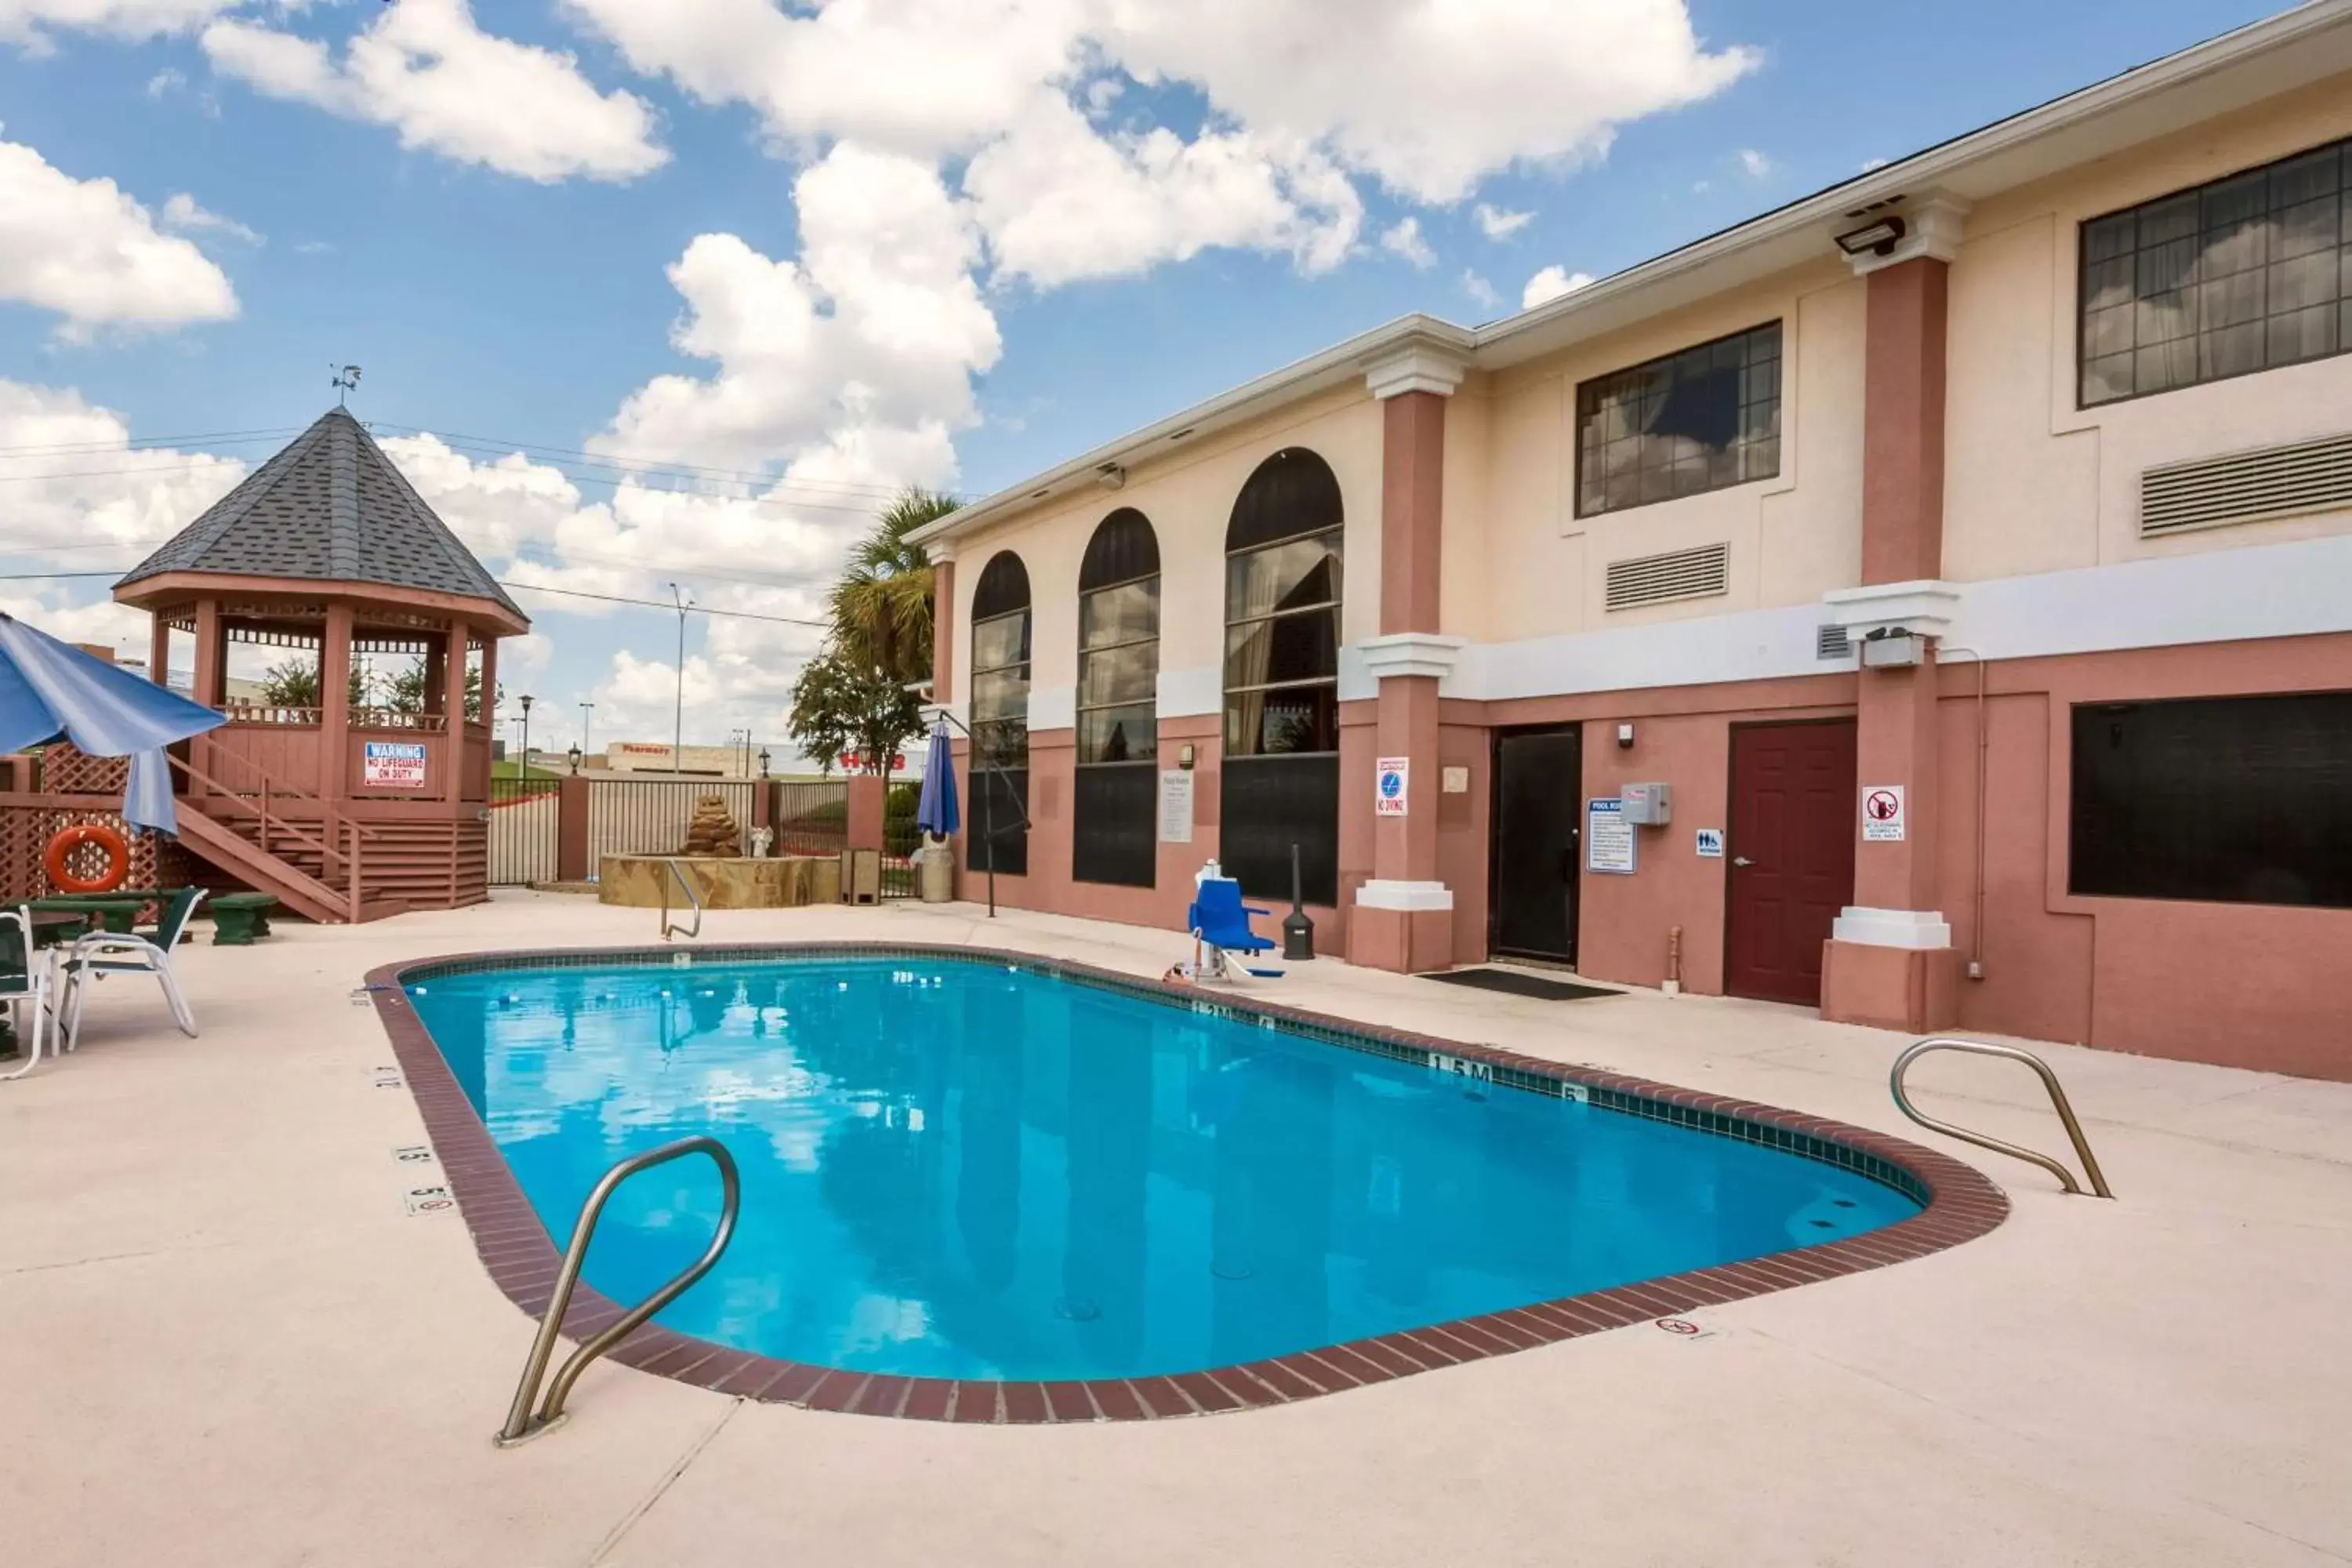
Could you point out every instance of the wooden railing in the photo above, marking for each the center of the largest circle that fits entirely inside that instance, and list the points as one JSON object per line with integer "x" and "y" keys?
{"x": 397, "y": 719}
{"x": 336, "y": 827}
{"x": 271, "y": 713}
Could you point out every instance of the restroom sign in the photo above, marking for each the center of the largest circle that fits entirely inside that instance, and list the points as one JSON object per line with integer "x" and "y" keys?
{"x": 1390, "y": 776}
{"x": 1882, "y": 814}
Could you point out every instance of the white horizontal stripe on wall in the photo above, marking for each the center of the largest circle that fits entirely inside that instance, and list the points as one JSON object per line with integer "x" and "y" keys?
{"x": 1184, "y": 693}
{"x": 1053, "y": 707}
{"x": 2297, "y": 589}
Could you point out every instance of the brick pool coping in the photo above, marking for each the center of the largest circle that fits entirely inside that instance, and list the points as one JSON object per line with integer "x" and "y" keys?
{"x": 522, "y": 1258}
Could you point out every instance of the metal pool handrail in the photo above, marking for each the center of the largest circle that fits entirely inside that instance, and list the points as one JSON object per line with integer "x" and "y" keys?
{"x": 692, "y": 897}
{"x": 2049, "y": 1082}
{"x": 520, "y": 1423}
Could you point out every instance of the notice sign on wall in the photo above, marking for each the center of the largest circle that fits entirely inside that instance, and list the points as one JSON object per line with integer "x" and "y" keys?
{"x": 1882, "y": 814}
{"x": 1176, "y": 807}
{"x": 392, "y": 764}
{"x": 1390, "y": 775}
{"x": 1608, "y": 838}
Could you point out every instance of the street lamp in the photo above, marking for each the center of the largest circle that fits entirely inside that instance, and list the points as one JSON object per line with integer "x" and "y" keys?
{"x": 587, "y": 712}
{"x": 574, "y": 754}
{"x": 527, "y": 700}
{"x": 764, "y": 761}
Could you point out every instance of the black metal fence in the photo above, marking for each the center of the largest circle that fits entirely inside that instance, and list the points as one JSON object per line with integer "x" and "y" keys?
{"x": 525, "y": 818}
{"x": 810, "y": 819}
{"x": 651, "y": 816}
{"x": 902, "y": 877}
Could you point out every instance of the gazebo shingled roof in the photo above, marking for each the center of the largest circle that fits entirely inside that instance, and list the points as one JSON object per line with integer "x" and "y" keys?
{"x": 330, "y": 507}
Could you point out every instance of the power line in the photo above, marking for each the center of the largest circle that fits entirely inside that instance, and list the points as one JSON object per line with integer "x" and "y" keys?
{"x": 136, "y": 442}
{"x": 658, "y": 605}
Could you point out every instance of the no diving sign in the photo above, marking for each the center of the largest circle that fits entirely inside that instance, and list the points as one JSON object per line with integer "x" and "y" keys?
{"x": 1392, "y": 775}
{"x": 1882, "y": 814}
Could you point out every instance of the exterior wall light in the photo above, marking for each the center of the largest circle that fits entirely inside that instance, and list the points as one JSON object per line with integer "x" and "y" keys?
{"x": 1893, "y": 649}
{"x": 1625, "y": 737}
{"x": 1878, "y": 238}
{"x": 1184, "y": 755}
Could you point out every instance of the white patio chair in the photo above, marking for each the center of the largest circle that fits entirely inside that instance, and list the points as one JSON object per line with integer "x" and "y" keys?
{"x": 24, "y": 986}
{"x": 102, "y": 953}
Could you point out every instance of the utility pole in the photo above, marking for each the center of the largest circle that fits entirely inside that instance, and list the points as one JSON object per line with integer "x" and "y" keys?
{"x": 678, "y": 717}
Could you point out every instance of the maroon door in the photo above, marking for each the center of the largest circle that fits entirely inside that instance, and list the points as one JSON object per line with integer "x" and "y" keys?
{"x": 1793, "y": 800}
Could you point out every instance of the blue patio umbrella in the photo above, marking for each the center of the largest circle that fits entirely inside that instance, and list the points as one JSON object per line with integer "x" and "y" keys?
{"x": 50, "y": 690}
{"x": 936, "y": 812}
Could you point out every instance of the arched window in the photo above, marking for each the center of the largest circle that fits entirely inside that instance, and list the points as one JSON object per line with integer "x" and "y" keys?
{"x": 999, "y": 719}
{"x": 1281, "y": 784}
{"x": 1114, "y": 831}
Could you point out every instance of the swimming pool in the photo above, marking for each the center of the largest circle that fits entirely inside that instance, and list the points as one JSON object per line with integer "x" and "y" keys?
{"x": 975, "y": 1168}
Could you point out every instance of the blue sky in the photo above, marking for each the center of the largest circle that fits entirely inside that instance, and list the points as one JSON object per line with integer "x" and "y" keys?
{"x": 993, "y": 236}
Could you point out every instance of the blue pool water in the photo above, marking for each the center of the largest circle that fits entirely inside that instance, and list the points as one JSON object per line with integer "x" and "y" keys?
{"x": 954, "y": 1169}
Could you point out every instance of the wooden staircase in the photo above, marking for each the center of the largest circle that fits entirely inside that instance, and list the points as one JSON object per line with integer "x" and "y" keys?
{"x": 313, "y": 855}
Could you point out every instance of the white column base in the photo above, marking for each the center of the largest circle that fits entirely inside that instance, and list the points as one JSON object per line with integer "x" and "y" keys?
{"x": 1918, "y": 928}
{"x": 1383, "y": 895}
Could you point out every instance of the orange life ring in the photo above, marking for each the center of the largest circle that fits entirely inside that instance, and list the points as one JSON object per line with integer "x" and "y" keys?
{"x": 69, "y": 839}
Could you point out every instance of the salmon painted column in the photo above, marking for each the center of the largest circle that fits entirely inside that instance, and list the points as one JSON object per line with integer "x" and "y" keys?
{"x": 1889, "y": 960}
{"x": 1404, "y": 916}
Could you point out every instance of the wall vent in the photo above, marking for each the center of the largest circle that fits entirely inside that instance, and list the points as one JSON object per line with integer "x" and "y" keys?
{"x": 2246, "y": 486}
{"x": 1832, "y": 642}
{"x": 1676, "y": 575}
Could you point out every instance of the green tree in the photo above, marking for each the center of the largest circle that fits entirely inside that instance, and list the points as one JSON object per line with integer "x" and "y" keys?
{"x": 881, "y": 608}
{"x": 405, "y": 692}
{"x": 840, "y": 706}
{"x": 295, "y": 684}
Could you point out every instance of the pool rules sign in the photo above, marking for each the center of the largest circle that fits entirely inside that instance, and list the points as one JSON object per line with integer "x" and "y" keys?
{"x": 1882, "y": 814}
{"x": 1391, "y": 777}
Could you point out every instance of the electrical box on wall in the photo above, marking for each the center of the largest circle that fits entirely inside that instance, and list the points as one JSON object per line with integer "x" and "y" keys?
{"x": 1648, "y": 805}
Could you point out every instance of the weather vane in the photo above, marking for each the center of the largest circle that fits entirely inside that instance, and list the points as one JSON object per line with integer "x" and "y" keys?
{"x": 347, "y": 379}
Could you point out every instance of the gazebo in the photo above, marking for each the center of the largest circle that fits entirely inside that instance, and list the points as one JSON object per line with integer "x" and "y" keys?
{"x": 368, "y": 798}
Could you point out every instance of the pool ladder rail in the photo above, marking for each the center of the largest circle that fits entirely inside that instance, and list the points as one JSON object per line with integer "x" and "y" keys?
{"x": 693, "y": 899}
{"x": 2049, "y": 1082}
{"x": 522, "y": 1425}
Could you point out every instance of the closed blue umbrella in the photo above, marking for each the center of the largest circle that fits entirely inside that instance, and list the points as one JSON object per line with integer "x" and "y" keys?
{"x": 51, "y": 690}
{"x": 936, "y": 812}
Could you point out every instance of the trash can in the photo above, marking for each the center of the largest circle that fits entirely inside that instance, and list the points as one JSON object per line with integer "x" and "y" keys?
{"x": 861, "y": 876}
{"x": 938, "y": 869}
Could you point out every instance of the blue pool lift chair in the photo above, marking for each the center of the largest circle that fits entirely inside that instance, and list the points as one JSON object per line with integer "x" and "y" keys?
{"x": 1220, "y": 924}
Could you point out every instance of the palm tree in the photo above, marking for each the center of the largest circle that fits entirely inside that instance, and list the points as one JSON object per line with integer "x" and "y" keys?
{"x": 882, "y": 606}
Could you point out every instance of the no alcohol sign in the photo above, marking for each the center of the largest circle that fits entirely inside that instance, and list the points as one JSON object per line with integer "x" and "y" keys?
{"x": 1882, "y": 814}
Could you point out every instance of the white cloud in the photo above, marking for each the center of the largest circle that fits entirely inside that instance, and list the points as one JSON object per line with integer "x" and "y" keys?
{"x": 88, "y": 251}
{"x": 169, "y": 79}
{"x": 182, "y": 214}
{"x": 1425, "y": 94}
{"x": 1550, "y": 283}
{"x": 31, "y": 22}
{"x": 854, "y": 361}
{"x": 1497, "y": 223}
{"x": 79, "y": 496}
{"x": 1481, "y": 292}
{"x": 1059, "y": 201}
{"x": 1870, "y": 163}
{"x": 1756, "y": 164}
{"x": 425, "y": 69}
{"x": 1403, "y": 239}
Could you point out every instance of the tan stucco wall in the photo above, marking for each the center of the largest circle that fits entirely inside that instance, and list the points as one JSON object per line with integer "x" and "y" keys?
{"x": 1189, "y": 497}
{"x": 1521, "y": 563}
{"x": 2035, "y": 484}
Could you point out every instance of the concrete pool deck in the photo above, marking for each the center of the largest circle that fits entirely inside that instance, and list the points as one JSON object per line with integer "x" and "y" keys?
{"x": 226, "y": 1341}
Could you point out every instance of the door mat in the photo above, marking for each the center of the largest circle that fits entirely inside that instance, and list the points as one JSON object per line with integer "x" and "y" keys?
{"x": 1513, "y": 983}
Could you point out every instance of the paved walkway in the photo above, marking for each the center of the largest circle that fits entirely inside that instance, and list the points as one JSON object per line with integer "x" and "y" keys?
{"x": 224, "y": 1340}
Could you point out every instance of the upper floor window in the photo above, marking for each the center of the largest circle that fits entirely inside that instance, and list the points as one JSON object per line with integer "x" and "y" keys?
{"x": 2244, "y": 274}
{"x": 1118, "y": 642}
{"x": 1705, "y": 418}
{"x": 1000, "y": 717}
{"x": 1282, "y": 609}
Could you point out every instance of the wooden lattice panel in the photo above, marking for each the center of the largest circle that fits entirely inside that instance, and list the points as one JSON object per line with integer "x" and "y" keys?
{"x": 25, "y": 834}
{"x": 65, "y": 771}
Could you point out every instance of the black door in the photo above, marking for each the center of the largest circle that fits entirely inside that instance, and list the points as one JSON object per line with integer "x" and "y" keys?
{"x": 1539, "y": 780}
